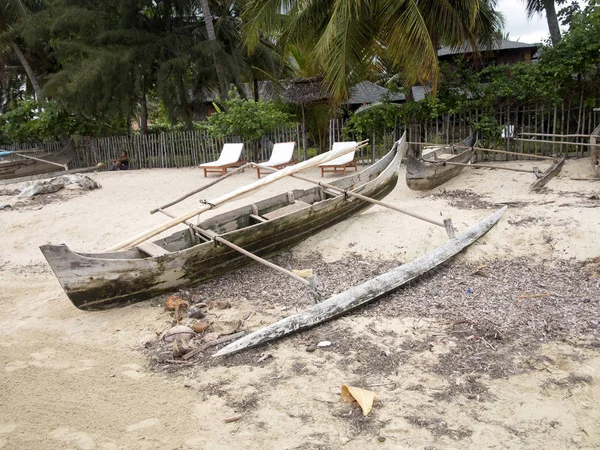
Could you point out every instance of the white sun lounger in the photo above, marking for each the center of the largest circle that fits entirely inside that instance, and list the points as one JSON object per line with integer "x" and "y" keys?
{"x": 231, "y": 156}
{"x": 343, "y": 162}
{"x": 281, "y": 156}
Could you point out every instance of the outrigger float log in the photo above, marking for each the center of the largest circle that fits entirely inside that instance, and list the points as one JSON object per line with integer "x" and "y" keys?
{"x": 542, "y": 177}
{"x": 362, "y": 294}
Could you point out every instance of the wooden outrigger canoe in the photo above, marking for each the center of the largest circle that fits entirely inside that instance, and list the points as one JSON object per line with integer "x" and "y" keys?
{"x": 24, "y": 167}
{"x": 367, "y": 292}
{"x": 188, "y": 257}
{"x": 595, "y": 150}
{"x": 429, "y": 171}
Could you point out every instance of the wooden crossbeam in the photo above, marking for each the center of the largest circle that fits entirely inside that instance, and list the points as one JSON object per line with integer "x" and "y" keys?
{"x": 310, "y": 282}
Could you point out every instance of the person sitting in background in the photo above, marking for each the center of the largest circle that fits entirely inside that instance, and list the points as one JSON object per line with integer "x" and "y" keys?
{"x": 120, "y": 164}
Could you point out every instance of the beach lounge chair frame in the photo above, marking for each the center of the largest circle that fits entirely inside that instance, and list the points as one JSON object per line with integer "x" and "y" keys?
{"x": 225, "y": 160}
{"x": 340, "y": 164}
{"x": 277, "y": 162}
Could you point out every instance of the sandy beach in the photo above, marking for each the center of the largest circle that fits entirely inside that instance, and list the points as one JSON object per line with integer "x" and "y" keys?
{"x": 514, "y": 363}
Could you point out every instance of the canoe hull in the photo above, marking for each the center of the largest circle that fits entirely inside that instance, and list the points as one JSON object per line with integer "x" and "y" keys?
{"x": 26, "y": 167}
{"x": 595, "y": 151}
{"x": 423, "y": 175}
{"x": 100, "y": 281}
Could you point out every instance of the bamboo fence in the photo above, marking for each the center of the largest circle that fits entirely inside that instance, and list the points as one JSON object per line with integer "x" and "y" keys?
{"x": 538, "y": 129}
{"x": 165, "y": 150}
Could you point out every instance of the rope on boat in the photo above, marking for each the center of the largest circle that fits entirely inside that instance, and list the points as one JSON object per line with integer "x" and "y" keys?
{"x": 206, "y": 202}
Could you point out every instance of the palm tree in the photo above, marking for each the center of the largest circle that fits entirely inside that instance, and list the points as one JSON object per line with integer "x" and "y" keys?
{"x": 113, "y": 57}
{"x": 212, "y": 37}
{"x": 349, "y": 37}
{"x": 12, "y": 12}
{"x": 533, "y": 7}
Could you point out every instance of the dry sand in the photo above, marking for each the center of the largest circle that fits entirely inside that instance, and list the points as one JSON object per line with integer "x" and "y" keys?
{"x": 77, "y": 380}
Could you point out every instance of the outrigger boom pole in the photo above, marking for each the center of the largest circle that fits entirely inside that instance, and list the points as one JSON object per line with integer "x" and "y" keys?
{"x": 447, "y": 223}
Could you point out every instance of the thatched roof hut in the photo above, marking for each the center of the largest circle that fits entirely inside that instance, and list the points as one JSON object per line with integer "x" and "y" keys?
{"x": 306, "y": 91}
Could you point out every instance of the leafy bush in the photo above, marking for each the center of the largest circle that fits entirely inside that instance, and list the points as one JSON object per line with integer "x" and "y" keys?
{"x": 247, "y": 119}
{"x": 373, "y": 120}
{"x": 30, "y": 121}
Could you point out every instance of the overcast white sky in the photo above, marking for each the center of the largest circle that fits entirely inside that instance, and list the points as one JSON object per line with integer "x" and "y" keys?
{"x": 527, "y": 31}
{"x": 516, "y": 23}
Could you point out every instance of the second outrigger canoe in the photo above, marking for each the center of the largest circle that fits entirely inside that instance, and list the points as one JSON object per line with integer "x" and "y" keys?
{"x": 428, "y": 172}
{"x": 595, "y": 150}
{"x": 24, "y": 167}
{"x": 102, "y": 280}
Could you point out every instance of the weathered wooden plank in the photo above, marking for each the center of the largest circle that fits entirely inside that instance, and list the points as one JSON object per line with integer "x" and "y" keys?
{"x": 295, "y": 206}
{"x": 151, "y": 249}
{"x": 362, "y": 294}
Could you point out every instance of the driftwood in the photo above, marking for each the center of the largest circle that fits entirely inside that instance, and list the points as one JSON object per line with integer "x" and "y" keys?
{"x": 33, "y": 188}
{"x": 234, "y": 194}
{"x": 371, "y": 290}
{"x": 221, "y": 340}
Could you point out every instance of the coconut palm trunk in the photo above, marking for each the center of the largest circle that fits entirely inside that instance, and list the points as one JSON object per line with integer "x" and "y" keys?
{"x": 30, "y": 74}
{"x": 552, "y": 20}
{"x": 11, "y": 12}
{"x": 533, "y": 7}
{"x": 212, "y": 36}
